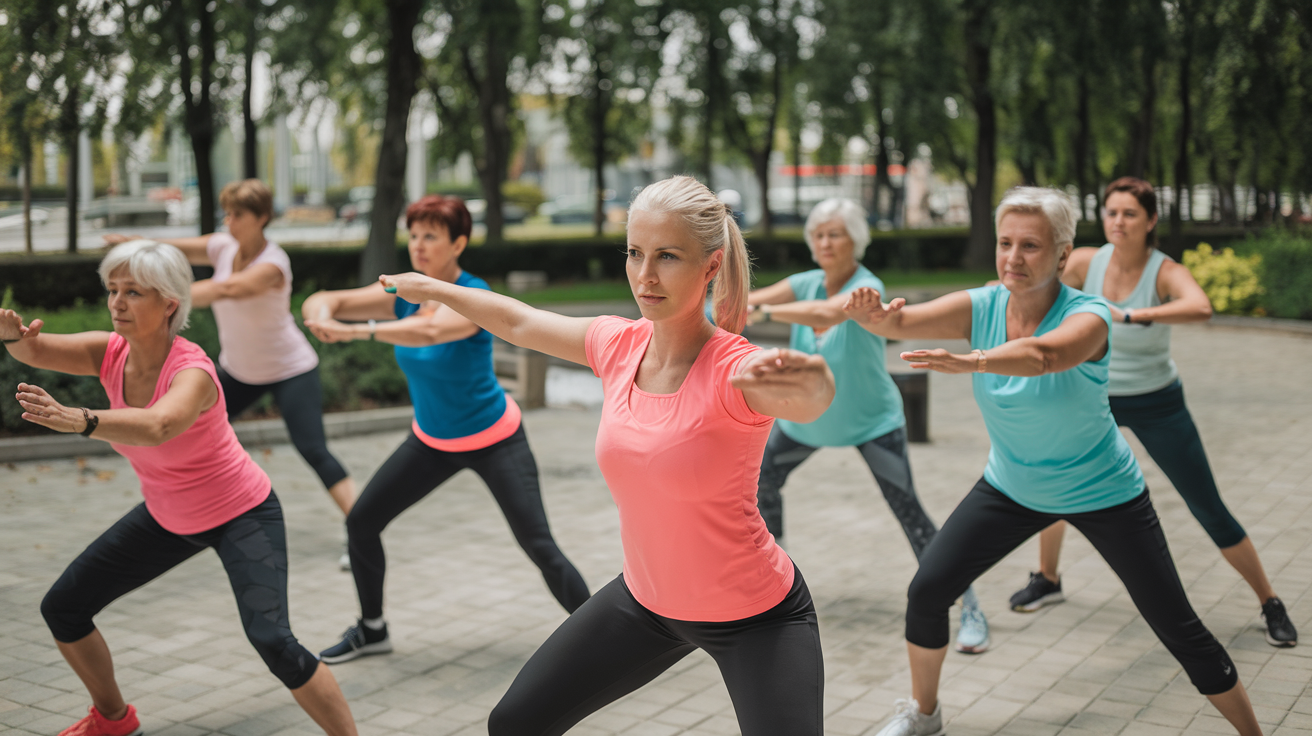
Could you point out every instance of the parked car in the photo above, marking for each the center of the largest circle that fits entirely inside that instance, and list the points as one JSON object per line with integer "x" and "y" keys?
{"x": 579, "y": 208}
{"x": 511, "y": 214}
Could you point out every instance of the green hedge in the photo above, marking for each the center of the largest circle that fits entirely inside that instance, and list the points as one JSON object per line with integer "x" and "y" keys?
{"x": 1286, "y": 273}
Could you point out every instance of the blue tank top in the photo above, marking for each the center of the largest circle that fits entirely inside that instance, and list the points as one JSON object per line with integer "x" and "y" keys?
{"x": 453, "y": 386}
{"x": 1054, "y": 445}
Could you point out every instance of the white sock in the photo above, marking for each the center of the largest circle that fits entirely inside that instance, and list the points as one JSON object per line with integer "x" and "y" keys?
{"x": 374, "y": 624}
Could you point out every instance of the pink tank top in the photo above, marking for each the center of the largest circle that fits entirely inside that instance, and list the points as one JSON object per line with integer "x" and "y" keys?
{"x": 202, "y": 478}
{"x": 683, "y": 470}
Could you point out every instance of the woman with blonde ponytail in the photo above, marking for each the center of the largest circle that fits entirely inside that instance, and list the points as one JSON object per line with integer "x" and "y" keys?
{"x": 688, "y": 408}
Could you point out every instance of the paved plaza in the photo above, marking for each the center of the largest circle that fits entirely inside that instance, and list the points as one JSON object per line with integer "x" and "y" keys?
{"x": 466, "y": 608}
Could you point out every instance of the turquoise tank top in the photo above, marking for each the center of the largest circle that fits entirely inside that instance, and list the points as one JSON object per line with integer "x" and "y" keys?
{"x": 866, "y": 402}
{"x": 1055, "y": 447}
{"x": 1141, "y": 354}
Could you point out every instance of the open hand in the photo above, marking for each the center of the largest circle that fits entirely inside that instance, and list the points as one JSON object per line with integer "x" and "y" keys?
{"x": 41, "y": 408}
{"x": 941, "y": 360}
{"x": 415, "y": 288}
{"x": 864, "y": 306}
{"x": 778, "y": 367}
{"x": 12, "y": 328}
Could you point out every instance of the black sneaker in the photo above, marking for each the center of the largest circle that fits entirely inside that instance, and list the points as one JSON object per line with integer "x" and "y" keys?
{"x": 1039, "y": 593}
{"x": 357, "y": 641}
{"x": 1280, "y": 631}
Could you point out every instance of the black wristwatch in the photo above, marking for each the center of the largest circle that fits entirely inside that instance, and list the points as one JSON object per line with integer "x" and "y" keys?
{"x": 92, "y": 420}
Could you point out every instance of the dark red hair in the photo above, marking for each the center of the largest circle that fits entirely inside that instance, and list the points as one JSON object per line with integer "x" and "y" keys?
{"x": 1140, "y": 190}
{"x": 439, "y": 210}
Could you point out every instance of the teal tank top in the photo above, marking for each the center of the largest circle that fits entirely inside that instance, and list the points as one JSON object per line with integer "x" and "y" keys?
{"x": 1141, "y": 354}
{"x": 866, "y": 402}
{"x": 1054, "y": 445}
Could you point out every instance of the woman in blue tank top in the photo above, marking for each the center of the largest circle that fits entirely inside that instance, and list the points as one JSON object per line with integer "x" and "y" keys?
{"x": 463, "y": 419}
{"x": 1040, "y": 355}
{"x": 1148, "y": 292}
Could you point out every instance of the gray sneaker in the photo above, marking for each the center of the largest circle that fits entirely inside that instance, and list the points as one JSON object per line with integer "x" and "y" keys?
{"x": 973, "y": 636}
{"x": 909, "y": 721}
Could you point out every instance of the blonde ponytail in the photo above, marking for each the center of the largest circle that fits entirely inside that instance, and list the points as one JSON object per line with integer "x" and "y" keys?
{"x": 711, "y": 223}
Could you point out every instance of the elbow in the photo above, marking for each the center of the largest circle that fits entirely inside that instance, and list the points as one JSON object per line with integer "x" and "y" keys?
{"x": 1205, "y": 311}
{"x": 1043, "y": 361}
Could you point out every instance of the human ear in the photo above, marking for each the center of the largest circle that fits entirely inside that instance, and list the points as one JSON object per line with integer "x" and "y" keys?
{"x": 713, "y": 264}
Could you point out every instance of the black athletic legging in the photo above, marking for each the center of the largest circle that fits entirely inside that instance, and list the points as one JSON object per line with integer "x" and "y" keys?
{"x": 136, "y": 550}
{"x": 988, "y": 525}
{"x": 611, "y": 646}
{"x": 300, "y": 401}
{"x": 415, "y": 469}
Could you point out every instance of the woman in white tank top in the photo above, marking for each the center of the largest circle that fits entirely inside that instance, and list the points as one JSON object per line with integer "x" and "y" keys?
{"x": 1148, "y": 292}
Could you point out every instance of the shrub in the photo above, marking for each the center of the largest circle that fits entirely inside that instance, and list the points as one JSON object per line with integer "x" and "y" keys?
{"x": 1231, "y": 281}
{"x": 526, "y": 194}
{"x": 1286, "y": 274}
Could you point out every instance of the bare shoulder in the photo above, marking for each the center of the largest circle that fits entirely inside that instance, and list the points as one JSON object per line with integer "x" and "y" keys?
{"x": 1077, "y": 266}
{"x": 1173, "y": 278}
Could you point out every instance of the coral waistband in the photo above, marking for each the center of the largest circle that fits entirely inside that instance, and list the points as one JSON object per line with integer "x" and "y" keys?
{"x": 500, "y": 430}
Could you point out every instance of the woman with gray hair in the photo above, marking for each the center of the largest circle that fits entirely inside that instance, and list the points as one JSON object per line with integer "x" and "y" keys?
{"x": 867, "y": 410}
{"x": 1040, "y": 357}
{"x": 201, "y": 489}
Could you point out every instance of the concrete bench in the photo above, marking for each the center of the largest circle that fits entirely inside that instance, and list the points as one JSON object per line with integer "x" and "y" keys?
{"x": 522, "y": 372}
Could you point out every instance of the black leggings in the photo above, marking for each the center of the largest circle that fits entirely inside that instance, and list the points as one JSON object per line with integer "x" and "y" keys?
{"x": 886, "y": 456}
{"x": 1163, "y": 424}
{"x": 414, "y": 470}
{"x": 300, "y": 401}
{"x": 611, "y": 646}
{"x": 988, "y": 525}
{"x": 136, "y": 550}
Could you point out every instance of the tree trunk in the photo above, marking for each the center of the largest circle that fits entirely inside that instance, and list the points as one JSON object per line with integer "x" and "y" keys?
{"x": 981, "y": 244}
{"x": 198, "y": 114}
{"x": 249, "y": 148}
{"x": 26, "y": 146}
{"x": 1082, "y": 140}
{"x": 1176, "y": 243}
{"x": 598, "y": 150}
{"x": 1142, "y": 136}
{"x": 883, "y": 182}
{"x": 70, "y": 124}
{"x": 379, "y": 255}
{"x": 712, "y": 99}
{"x": 494, "y": 107}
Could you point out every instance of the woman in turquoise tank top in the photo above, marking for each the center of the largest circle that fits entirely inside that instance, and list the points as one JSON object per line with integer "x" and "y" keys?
{"x": 1148, "y": 292}
{"x": 867, "y": 409}
{"x": 1040, "y": 354}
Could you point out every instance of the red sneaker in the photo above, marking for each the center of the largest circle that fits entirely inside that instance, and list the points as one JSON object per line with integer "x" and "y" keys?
{"x": 96, "y": 724}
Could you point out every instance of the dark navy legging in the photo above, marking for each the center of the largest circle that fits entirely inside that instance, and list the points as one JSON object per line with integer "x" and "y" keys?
{"x": 136, "y": 550}
{"x": 1163, "y": 424}
{"x": 300, "y": 401}
{"x": 987, "y": 525}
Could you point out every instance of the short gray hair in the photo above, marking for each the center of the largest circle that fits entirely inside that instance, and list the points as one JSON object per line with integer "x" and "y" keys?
{"x": 854, "y": 219}
{"x": 1054, "y": 204}
{"x": 157, "y": 266}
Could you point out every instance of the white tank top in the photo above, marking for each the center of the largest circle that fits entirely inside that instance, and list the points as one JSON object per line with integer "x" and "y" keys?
{"x": 1141, "y": 355}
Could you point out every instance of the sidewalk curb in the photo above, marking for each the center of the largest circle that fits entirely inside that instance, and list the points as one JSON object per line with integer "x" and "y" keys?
{"x": 250, "y": 433}
{"x": 1275, "y": 324}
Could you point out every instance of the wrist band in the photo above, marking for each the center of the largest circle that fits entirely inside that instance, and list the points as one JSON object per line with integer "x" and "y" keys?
{"x": 767, "y": 312}
{"x": 1126, "y": 319}
{"x": 92, "y": 421}
{"x": 372, "y": 326}
{"x": 981, "y": 361}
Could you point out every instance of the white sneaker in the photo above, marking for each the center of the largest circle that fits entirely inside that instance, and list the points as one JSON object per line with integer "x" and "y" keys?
{"x": 344, "y": 561}
{"x": 909, "y": 721}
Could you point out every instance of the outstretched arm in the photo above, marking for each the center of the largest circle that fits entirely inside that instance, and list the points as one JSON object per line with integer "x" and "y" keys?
{"x": 248, "y": 282}
{"x": 817, "y": 313}
{"x": 1079, "y": 338}
{"x": 786, "y": 384}
{"x": 509, "y": 319}
{"x": 194, "y": 248}
{"x": 79, "y": 354}
{"x": 945, "y": 318}
{"x": 191, "y": 392}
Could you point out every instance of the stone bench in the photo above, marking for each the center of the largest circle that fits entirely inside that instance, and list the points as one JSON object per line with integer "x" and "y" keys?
{"x": 522, "y": 372}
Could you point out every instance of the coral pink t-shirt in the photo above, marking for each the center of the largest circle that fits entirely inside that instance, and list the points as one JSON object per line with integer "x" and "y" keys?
{"x": 683, "y": 469}
{"x": 202, "y": 478}
{"x": 259, "y": 342}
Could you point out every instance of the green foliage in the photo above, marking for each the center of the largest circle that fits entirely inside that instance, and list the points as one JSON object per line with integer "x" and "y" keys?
{"x": 526, "y": 194}
{"x": 1231, "y": 281}
{"x": 1286, "y": 274}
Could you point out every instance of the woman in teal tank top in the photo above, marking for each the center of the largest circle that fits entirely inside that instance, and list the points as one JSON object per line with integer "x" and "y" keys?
{"x": 867, "y": 409}
{"x": 1040, "y": 357}
{"x": 1148, "y": 292}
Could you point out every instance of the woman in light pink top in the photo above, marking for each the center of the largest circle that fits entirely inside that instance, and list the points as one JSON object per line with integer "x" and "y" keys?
{"x": 201, "y": 489}
{"x": 261, "y": 348}
{"x": 688, "y": 408}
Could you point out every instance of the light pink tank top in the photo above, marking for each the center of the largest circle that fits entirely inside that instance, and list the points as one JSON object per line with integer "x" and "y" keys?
{"x": 259, "y": 342}
{"x": 202, "y": 478}
{"x": 683, "y": 470}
